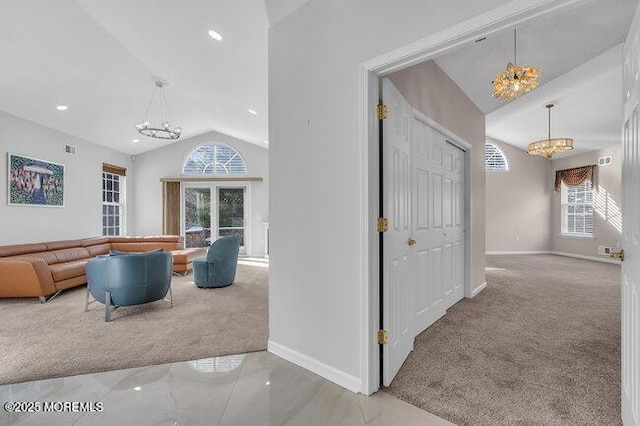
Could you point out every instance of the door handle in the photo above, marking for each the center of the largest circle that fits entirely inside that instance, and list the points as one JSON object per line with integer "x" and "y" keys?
{"x": 412, "y": 241}
{"x": 618, "y": 255}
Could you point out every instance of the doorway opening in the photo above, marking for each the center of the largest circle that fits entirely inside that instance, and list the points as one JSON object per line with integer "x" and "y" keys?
{"x": 213, "y": 210}
{"x": 371, "y": 74}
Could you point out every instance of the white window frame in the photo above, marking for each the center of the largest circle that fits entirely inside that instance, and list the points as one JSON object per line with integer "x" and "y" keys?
{"x": 121, "y": 204}
{"x": 499, "y": 153}
{"x": 215, "y": 146}
{"x": 565, "y": 207}
{"x": 214, "y": 187}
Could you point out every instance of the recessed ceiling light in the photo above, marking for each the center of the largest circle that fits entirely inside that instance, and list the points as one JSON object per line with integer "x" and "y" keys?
{"x": 252, "y": 111}
{"x": 215, "y": 35}
{"x": 62, "y": 107}
{"x": 266, "y": 141}
{"x": 135, "y": 140}
{"x": 137, "y": 388}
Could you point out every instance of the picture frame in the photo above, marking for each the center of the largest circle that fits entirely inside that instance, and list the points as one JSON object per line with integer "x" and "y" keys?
{"x": 34, "y": 182}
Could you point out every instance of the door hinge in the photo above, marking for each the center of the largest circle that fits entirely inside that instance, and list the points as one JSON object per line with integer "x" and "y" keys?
{"x": 383, "y": 337}
{"x": 383, "y": 112}
{"x": 383, "y": 224}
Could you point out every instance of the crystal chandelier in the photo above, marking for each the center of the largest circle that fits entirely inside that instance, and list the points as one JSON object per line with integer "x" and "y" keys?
{"x": 164, "y": 130}
{"x": 515, "y": 80}
{"x": 548, "y": 147}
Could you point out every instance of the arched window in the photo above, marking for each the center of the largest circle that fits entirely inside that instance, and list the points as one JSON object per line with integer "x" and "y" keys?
{"x": 218, "y": 159}
{"x": 494, "y": 158}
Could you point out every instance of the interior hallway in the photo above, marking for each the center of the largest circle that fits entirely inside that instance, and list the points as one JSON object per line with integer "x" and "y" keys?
{"x": 540, "y": 345}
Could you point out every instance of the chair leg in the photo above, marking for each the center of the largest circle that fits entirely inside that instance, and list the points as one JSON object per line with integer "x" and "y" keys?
{"x": 170, "y": 299}
{"x": 107, "y": 304}
{"x": 86, "y": 303}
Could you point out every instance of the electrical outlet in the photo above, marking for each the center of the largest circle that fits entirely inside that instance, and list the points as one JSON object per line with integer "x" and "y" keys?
{"x": 604, "y": 251}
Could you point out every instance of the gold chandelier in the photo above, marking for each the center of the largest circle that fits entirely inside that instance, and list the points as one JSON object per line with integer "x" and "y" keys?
{"x": 515, "y": 80}
{"x": 548, "y": 147}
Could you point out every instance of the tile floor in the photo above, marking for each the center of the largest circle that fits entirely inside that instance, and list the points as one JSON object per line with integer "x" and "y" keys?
{"x": 248, "y": 389}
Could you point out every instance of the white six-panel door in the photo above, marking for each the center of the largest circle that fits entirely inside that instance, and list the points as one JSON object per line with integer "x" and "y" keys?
{"x": 437, "y": 223}
{"x": 397, "y": 276}
{"x": 631, "y": 231}
{"x": 423, "y": 253}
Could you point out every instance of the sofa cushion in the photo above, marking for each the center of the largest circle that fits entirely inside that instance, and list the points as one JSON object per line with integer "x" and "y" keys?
{"x": 68, "y": 255}
{"x": 146, "y": 246}
{"x": 94, "y": 241}
{"x": 99, "y": 249}
{"x": 64, "y": 271}
{"x": 147, "y": 239}
{"x": 46, "y": 256}
{"x": 59, "y": 245}
{"x": 132, "y": 253}
{"x": 18, "y": 249}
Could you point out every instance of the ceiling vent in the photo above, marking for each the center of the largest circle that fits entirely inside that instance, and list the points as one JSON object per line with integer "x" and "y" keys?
{"x": 70, "y": 149}
{"x": 605, "y": 161}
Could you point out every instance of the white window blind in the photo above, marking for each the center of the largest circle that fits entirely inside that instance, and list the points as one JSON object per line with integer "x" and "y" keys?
{"x": 494, "y": 158}
{"x": 112, "y": 203}
{"x": 577, "y": 209}
{"x": 219, "y": 159}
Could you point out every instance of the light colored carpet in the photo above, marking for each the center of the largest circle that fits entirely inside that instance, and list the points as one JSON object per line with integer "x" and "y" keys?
{"x": 539, "y": 346}
{"x": 55, "y": 339}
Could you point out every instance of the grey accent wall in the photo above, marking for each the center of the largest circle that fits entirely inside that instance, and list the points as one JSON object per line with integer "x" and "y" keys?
{"x": 167, "y": 161}
{"x": 81, "y": 217}
{"x": 518, "y": 214}
{"x": 430, "y": 90}
{"x": 606, "y": 219}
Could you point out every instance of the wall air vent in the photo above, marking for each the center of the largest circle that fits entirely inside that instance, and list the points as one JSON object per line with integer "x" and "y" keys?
{"x": 605, "y": 161}
{"x": 70, "y": 149}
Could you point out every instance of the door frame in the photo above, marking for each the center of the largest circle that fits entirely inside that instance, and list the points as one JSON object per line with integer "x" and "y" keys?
{"x": 215, "y": 186}
{"x": 500, "y": 18}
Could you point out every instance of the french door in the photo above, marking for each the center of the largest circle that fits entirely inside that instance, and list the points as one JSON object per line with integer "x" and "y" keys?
{"x": 211, "y": 210}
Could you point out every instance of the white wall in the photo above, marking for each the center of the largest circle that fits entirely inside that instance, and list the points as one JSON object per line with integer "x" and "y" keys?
{"x": 168, "y": 161}
{"x": 518, "y": 203}
{"x": 316, "y": 184}
{"x": 81, "y": 216}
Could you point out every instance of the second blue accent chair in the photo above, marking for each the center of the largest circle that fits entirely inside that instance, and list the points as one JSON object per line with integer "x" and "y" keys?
{"x": 218, "y": 268}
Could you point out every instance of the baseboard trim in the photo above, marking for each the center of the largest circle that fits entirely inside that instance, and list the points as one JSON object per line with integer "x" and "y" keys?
{"x": 556, "y": 253}
{"x": 478, "y": 289}
{"x": 593, "y": 258}
{"x": 338, "y": 377}
{"x": 509, "y": 253}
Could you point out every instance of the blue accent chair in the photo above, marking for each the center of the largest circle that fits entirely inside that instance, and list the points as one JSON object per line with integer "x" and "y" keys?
{"x": 218, "y": 268}
{"x": 129, "y": 279}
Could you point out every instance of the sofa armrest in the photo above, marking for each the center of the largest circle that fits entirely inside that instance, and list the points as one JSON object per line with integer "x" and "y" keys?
{"x": 25, "y": 278}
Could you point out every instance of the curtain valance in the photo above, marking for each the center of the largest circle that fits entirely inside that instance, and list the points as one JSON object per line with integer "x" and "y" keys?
{"x": 576, "y": 176}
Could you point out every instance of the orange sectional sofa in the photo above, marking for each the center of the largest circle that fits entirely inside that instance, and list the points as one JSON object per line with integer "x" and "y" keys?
{"x": 44, "y": 269}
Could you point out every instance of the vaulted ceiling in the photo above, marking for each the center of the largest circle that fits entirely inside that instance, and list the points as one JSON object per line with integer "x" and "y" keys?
{"x": 579, "y": 54}
{"x": 98, "y": 58}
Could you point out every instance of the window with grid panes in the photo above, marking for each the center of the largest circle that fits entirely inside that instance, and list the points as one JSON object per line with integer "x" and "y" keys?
{"x": 577, "y": 210}
{"x": 494, "y": 158}
{"x": 218, "y": 159}
{"x": 112, "y": 204}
